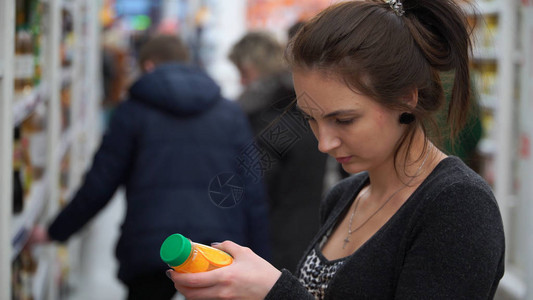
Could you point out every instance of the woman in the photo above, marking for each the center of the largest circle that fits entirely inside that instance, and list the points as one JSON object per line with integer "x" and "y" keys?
{"x": 413, "y": 223}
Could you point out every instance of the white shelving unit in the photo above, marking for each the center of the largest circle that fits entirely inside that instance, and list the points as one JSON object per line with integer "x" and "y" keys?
{"x": 500, "y": 143}
{"x": 525, "y": 189}
{"x": 7, "y": 28}
{"x": 75, "y": 139}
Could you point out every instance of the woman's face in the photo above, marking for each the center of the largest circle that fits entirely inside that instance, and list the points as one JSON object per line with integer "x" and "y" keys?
{"x": 360, "y": 133}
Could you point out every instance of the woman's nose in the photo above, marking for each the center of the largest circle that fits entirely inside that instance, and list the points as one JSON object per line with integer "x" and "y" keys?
{"x": 327, "y": 139}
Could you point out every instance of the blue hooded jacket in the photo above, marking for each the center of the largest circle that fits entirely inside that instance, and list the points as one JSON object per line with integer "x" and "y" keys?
{"x": 174, "y": 146}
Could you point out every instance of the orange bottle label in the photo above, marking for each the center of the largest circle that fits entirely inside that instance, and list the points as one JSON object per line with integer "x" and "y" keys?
{"x": 194, "y": 264}
{"x": 204, "y": 258}
{"x": 216, "y": 257}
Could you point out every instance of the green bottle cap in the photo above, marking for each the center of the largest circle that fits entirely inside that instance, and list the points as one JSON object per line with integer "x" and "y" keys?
{"x": 175, "y": 250}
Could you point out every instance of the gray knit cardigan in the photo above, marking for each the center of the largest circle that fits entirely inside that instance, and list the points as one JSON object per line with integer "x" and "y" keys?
{"x": 445, "y": 242}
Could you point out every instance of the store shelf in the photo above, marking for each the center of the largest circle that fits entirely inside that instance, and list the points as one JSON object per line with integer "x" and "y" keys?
{"x": 487, "y": 146}
{"x": 485, "y": 54}
{"x": 67, "y": 60}
{"x": 41, "y": 278}
{"x": 489, "y": 7}
{"x": 491, "y": 55}
{"x": 483, "y": 8}
{"x": 518, "y": 57}
{"x": 67, "y": 76}
{"x": 23, "y": 107}
{"x": 488, "y": 101}
{"x": 23, "y": 223}
{"x": 68, "y": 5}
{"x": 66, "y": 140}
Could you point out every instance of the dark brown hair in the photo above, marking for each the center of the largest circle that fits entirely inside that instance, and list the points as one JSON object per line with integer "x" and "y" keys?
{"x": 163, "y": 48}
{"x": 386, "y": 56}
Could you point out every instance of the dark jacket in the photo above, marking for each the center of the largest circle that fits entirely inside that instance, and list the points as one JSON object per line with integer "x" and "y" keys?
{"x": 445, "y": 242}
{"x": 174, "y": 145}
{"x": 293, "y": 168}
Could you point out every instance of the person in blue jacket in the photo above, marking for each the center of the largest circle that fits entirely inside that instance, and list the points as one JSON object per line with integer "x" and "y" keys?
{"x": 182, "y": 152}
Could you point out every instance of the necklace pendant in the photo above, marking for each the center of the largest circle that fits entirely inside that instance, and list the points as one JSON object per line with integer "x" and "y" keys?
{"x": 346, "y": 241}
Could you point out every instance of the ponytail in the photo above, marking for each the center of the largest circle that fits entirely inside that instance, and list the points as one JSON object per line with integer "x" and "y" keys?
{"x": 440, "y": 29}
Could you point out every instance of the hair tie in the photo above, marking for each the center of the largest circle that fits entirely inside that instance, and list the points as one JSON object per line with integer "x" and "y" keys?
{"x": 396, "y": 6}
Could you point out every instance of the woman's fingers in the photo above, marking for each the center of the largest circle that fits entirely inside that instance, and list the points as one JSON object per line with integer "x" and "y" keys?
{"x": 205, "y": 285}
{"x": 193, "y": 280}
{"x": 229, "y": 247}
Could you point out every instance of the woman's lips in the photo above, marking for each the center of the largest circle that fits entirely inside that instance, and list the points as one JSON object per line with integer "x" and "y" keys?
{"x": 344, "y": 159}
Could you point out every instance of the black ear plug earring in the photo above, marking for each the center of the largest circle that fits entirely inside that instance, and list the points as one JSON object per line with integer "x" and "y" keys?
{"x": 407, "y": 118}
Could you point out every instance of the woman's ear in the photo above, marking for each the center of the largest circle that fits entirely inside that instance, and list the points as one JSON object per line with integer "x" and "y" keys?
{"x": 411, "y": 99}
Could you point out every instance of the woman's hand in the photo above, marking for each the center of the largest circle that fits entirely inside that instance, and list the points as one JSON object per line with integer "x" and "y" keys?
{"x": 248, "y": 277}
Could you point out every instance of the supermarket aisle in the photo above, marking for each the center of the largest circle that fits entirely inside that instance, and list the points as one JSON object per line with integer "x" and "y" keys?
{"x": 98, "y": 266}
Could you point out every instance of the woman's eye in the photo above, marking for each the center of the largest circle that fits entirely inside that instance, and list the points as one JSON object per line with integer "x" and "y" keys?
{"x": 344, "y": 121}
{"x": 308, "y": 118}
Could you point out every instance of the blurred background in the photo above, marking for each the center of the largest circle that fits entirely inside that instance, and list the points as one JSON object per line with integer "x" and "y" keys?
{"x": 66, "y": 64}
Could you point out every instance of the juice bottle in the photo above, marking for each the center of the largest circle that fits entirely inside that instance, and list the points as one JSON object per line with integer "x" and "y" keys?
{"x": 185, "y": 256}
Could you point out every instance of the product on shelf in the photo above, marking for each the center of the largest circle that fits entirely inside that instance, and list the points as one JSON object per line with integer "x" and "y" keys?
{"x": 485, "y": 75}
{"x": 34, "y": 141}
{"x": 23, "y": 272}
{"x": 35, "y": 29}
{"x": 67, "y": 41}
{"x": 65, "y": 107}
{"x": 18, "y": 189}
{"x": 490, "y": 32}
{"x": 64, "y": 177}
{"x": 62, "y": 262}
{"x": 16, "y": 280}
{"x": 24, "y": 62}
{"x": 22, "y": 168}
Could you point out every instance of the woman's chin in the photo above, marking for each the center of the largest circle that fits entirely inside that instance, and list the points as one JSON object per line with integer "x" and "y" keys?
{"x": 351, "y": 169}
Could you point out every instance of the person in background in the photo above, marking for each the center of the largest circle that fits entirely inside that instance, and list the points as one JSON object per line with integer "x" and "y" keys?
{"x": 412, "y": 222}
{"x": 168, "y": 144}
{"x": 293, "y": 29}
{"x": 293, "y": 169}
{"x": 114, "y": 71}
{"x": 465, "y": 145}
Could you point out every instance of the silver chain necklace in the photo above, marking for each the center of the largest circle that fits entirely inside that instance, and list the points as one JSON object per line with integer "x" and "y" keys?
{"x": 350, "y": 230}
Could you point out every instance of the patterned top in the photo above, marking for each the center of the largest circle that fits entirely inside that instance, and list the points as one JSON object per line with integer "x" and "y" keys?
{"x": 317, "y": 271}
